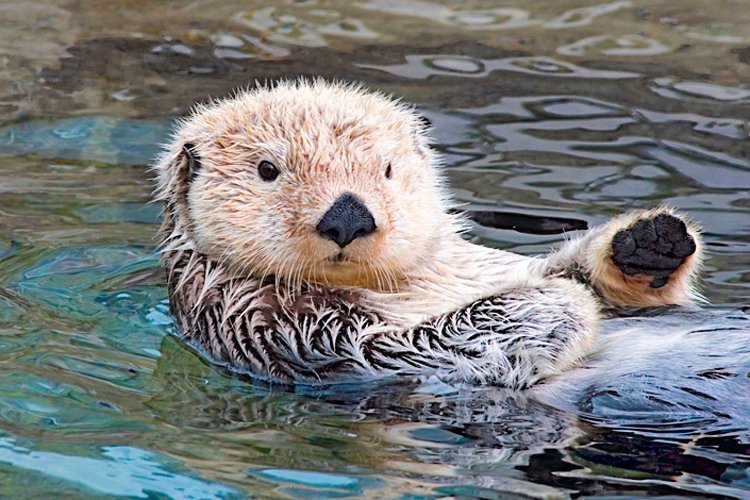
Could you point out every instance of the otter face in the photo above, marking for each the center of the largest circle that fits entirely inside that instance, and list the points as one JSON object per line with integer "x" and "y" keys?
{"x": 308, "y": 181}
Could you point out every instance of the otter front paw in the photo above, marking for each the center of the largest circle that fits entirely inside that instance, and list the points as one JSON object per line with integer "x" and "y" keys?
{"x": 654, "y": 247}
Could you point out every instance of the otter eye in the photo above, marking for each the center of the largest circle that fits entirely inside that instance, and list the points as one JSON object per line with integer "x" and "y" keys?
{"x": 268, "y": 171}
{"x": 388, "y": 171}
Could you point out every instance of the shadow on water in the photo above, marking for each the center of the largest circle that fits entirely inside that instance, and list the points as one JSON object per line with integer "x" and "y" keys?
{"x": 549, "y": 119}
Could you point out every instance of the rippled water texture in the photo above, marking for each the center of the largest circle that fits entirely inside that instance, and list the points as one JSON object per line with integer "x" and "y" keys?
{"x": 554, "y": 115}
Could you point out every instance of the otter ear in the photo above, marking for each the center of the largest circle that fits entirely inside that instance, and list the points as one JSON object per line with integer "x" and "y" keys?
{"x": 192, "y": 161}
{"x": 176, "y": 171}
{"x": 420, "y": 132}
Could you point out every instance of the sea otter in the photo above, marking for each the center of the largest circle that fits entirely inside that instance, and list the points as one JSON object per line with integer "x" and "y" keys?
{"x": 309, "y": 237}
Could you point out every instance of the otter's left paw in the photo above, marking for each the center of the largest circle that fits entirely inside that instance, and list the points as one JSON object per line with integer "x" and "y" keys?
{"x": 653, "y": 247}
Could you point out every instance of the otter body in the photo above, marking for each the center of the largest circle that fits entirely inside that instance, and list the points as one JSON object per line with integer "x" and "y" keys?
{"x": 309, "y": 238}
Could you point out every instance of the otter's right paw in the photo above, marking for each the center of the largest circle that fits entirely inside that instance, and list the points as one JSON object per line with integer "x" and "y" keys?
{"x": 654, "y": 247}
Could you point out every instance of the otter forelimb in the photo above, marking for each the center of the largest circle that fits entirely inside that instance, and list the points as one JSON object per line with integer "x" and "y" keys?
{"x": 319, "y": 335}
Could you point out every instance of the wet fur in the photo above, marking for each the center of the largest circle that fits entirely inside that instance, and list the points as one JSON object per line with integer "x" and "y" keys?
{"x": 253, "y": 286}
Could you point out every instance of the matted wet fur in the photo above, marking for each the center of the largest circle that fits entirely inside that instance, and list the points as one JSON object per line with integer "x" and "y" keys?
{"x": 256, "y": 283}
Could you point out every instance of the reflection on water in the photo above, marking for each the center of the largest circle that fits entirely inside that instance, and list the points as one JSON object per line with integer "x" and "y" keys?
{"x": 424, "y": 66}
{"x": 123, "y": 471}
{"x": 550, "y": 118}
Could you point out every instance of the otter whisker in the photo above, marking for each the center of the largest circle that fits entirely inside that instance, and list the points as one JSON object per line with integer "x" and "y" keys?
{"x": 279, "y": 276}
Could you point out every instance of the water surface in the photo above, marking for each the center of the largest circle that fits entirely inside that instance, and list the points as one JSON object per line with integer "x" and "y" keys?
{"x": 555, "y": 115}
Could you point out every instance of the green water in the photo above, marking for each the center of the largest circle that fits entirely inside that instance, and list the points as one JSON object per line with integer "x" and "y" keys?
{"x": 576, "y": 110}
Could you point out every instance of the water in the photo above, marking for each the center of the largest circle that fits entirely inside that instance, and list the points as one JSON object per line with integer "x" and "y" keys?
{"x": 556, "y": 115}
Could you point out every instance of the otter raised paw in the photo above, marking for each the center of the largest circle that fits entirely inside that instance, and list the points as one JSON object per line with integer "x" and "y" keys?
{"x": 643, "y": 258}
{"x": 653, "y": 248}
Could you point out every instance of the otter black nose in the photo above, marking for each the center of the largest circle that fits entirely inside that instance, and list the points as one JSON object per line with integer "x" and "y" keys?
{"x": 347, "y": 220}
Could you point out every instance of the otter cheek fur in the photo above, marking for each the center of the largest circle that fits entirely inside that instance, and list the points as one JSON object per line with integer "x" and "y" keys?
{"x": 309, "y": 238}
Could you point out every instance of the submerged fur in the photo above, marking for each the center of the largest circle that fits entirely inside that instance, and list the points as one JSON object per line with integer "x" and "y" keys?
{"x": 254, "y": 286}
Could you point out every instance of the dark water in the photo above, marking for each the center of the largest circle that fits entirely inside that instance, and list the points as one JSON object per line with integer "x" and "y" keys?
{"x": 557, "y": 115}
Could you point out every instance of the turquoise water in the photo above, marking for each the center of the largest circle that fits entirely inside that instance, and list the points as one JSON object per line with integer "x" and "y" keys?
{"x": 550, "y": 114}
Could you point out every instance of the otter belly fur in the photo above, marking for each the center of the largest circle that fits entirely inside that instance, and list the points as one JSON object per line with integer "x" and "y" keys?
{"x": 309, "y": 238}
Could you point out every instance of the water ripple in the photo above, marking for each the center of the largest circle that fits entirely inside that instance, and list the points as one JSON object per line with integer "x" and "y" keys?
{"x": 121, "y": 471}
{"x": 549, "y": 119}
{"x": 424, "y": 66}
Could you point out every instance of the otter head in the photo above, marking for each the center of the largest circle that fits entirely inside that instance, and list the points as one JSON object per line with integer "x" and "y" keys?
{"x": 306, "y": 181}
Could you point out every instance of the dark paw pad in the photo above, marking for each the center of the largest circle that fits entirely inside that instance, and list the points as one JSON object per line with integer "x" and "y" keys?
{"x": 654, "y": 247}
